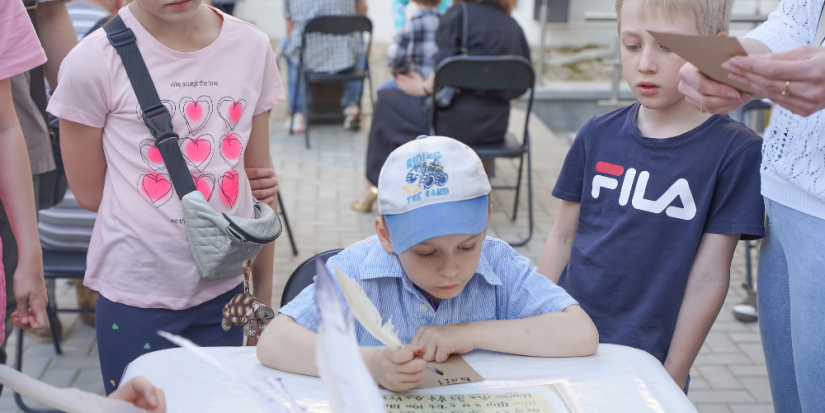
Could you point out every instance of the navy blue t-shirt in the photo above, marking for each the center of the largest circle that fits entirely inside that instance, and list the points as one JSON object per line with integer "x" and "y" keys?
{"x": 645, "y": 204}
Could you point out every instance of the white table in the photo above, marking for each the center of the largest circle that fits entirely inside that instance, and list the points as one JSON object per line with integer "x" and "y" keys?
{"x": 616, "y": 379}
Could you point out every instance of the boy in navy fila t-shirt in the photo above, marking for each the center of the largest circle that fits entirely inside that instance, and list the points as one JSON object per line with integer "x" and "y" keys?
{"x": 655, "y": 197}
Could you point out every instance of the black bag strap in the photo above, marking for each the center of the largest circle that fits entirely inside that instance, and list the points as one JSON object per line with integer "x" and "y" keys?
{"x": 155, "y": 115}
{"x": 465, "y": 22}
{"x": 37, "y": 81}
{"x": 820, "y": 30}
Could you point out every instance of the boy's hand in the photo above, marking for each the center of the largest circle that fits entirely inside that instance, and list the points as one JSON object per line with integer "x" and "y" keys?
{"x": 264, "y": 184}
{"x": 443, "y": 340}
{"x": 30, "y": 292}
{"x": 399, "y": 370}
{"x": 141, "y": 393}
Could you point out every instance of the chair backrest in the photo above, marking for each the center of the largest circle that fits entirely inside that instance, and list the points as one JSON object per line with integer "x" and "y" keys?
{"x": 485, "y": 73}
{"x": 64, "y": 264}
{"x": 303, "y": 276}
{"x": 338, "y": 25}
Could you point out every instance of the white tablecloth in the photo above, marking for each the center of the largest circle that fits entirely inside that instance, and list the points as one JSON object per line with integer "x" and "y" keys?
{"x": 616, "y": 379}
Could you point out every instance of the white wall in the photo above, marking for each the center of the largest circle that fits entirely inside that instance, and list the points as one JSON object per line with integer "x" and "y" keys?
{"x": 267, "y": 14}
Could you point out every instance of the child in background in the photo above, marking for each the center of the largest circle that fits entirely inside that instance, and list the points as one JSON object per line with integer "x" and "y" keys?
{"x": 400, "y": 16}
{"x": 20, "y": 51}
{"x": 414, "y": 45}
{"x": 650, "y": 262}
{"x": 217, "y": 76}
{"x": 432, "y": 270}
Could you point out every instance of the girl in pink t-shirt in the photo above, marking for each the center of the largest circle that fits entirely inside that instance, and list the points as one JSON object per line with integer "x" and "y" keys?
{"x": 217, "y": 76}
{"x": 20, "y": 51}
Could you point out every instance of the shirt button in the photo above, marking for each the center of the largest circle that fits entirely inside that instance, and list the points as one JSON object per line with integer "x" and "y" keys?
{"x": 424, "y": 308}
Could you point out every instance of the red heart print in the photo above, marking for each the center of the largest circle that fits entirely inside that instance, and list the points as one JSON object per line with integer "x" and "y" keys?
{"x": 231, "y": 148}
{"x": 197, "y": 151}
{"x": 157, "y": 188}
{"x": 228, "y": 183}
{"x": 205, "y": 183}
{"x": 151, "y": 155}
{"x": 196, "y": 112}
{"x": 231, "y": 110}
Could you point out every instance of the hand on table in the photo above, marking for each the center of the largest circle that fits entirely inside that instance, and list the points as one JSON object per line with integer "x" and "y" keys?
{"x": 443, "y": 340}
{"x": 31, "y": 296}
{"x": 411, "y": 84}
{"x": 399, "y": 370}
{"x": 799, "y": 72}
{"x": 141, "y": 393}
{"x": 264, "y": 184}
{"x": 709, "y": 95}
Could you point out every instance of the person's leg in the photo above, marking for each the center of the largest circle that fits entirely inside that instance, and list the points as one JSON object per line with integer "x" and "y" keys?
{"x": 206, "y": 330}
{"x": 354, "y": 89}
{"x": 801, "y": 235}
{"x": 775, "y": 317}
{"x": 295, "y": 92}
{"x": 125, "y": 333}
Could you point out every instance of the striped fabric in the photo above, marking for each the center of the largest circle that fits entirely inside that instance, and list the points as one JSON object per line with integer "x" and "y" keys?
{"x": 84, "y": 16}
{"x": 416, "y": 43}
{"x": 505, "y": 287}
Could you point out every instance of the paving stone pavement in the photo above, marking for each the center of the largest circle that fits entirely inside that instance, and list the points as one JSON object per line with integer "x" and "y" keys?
{"x": 318, "y": 185}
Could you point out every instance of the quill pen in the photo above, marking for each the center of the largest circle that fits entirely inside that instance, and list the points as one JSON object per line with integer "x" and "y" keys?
{"x": 347, "y": 382}
{"x": 365, "y": 312}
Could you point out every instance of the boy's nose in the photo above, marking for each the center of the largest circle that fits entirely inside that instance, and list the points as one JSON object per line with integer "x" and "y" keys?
{"x": 647, "y": 61}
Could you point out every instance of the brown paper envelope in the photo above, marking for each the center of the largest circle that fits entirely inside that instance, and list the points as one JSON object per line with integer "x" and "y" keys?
{"x": 707, "y": 53}
{"x": 456, "y": 371}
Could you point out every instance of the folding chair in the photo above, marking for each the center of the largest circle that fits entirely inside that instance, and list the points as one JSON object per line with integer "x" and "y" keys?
{"x": 56, "y": 264}
{"x": 331, "y": 25}
{"x": 303, "y": 275}
{"x": 282, "y": 211}
{"x": 494, "y": 73}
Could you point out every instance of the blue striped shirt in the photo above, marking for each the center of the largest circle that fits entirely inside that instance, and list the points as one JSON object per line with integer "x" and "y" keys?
{"x": 505, "y": 287}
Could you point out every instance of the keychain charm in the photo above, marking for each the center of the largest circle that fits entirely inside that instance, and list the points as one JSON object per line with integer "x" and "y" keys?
{"x": 244, "y": 309}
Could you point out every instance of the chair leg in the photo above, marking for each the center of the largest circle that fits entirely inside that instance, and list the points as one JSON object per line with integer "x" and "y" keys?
{"x": 286, "y": 224}
{"x": 372, "y": 99}
{"x": 51, "y": 312}
{"x": 518, "y": 187}
{"x": 529, "y": 203}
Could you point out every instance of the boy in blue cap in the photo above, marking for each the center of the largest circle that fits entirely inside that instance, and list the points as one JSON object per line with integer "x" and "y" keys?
{"x": 432, "y": 270}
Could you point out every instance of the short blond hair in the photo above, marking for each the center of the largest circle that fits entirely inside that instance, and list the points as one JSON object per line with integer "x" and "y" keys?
{"x": 712, "y": 16}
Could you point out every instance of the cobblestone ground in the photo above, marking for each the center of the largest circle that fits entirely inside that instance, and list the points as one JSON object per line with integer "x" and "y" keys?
{"x": 318, "y": 185}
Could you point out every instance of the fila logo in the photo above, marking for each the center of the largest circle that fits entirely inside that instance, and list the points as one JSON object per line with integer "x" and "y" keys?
{"x": 679, "y": 189}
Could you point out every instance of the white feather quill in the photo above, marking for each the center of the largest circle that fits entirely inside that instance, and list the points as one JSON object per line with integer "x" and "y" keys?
{"x": 348, "y": 384}
{"x": 365, "y": 312}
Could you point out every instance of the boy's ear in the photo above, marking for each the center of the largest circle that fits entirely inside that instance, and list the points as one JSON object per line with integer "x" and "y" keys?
{"x": 383, "y": 234}
{"x": 722, "y": 34}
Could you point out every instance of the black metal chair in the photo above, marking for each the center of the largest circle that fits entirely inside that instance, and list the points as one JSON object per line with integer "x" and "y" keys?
{"x": 332, "y": 25}
{"x": 303, "y": 276}
{"x": 494, "y": 73}
{"x": 56, "y": 264}
{"x": 282, "y": 211}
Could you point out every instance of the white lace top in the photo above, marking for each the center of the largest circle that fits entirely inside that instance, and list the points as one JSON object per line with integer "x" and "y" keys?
{"x": 793, "y": 154}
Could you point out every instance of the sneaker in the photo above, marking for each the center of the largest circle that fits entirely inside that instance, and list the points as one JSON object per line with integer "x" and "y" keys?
{"x": 298, "y": 123}
{"x": 351, "y": 121}
{"x": 747, "y": 311}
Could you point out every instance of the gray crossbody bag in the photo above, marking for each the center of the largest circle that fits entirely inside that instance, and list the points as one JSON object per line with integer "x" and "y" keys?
{"x": 220, "y": 244}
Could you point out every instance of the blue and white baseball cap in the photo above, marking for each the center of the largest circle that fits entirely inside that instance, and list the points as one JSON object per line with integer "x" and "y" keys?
{"x": 431, "y": 187}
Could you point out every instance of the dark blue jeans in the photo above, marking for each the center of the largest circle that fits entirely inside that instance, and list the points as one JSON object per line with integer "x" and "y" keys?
{"x": 125, "y": 333}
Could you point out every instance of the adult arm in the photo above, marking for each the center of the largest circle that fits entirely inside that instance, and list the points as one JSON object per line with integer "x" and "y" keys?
{"x": 17, "y": 194}
{"x": 57, "y": 35}
{"x": 361, "y": 7}
{"x": 705, "y": 293}
{"x": 85, "y": 162}
{"x": 556, "y": 253}
{"x": 257, "y": 155}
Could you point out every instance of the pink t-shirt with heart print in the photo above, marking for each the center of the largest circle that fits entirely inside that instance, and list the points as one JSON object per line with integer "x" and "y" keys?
{"x": 139, "y": 254}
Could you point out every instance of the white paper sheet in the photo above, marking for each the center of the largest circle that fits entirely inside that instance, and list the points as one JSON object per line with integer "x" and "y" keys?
{"x": 347, "y": 382}
{"x": 67, "y": 400}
